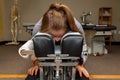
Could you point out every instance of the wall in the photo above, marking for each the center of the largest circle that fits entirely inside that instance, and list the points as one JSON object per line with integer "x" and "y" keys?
{"x": 1, "y": 21}
{"x": 32, "y": 10}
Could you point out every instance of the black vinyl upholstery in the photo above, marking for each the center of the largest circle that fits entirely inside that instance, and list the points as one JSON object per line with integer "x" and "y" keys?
{"x": 43, "y": 45}
{"x": 72, "y": 44}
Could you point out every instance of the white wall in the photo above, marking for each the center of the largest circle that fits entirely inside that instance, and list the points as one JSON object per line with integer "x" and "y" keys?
{"x": 32, "y": 10}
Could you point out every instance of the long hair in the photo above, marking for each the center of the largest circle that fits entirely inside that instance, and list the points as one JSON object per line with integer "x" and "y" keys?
{"x": 58, "y": 16}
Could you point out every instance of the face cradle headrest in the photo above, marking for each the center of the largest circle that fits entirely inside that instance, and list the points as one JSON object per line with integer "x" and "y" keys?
{"x": 43, "y": 45}
{"x": 72, "y": 44}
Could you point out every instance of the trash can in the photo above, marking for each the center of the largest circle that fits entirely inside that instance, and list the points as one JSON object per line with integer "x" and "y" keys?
{"x": 98, "y": 46}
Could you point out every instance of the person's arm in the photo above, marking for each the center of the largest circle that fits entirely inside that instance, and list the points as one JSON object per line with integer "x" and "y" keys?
{"x": 27, "y": 47}
{"x": 27, "y": 52}
{"x": 37, "y": 27}
{"x": 78, "y": 25}
{"x": 85, "y": 50}
{"x": 34, "y": 69}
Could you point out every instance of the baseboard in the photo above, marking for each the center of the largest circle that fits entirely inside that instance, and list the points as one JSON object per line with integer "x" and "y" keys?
{"x": 4, "y": 42}
{"x": 114, "y": 43}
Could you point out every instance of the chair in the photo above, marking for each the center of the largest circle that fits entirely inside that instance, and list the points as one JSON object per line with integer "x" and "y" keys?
{"x": 60, "y": 66}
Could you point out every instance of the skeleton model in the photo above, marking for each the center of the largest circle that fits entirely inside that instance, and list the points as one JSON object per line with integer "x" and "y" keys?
{"x": 14, "y": 23}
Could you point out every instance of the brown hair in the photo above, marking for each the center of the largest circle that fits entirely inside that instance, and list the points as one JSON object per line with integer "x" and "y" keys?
{"x": 58, "y": 16}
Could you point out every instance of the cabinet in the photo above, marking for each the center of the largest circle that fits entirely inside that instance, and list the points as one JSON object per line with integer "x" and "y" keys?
{"x": 105, "y": 16}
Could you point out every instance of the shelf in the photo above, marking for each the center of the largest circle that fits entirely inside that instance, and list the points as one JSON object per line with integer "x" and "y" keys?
{"x": 105, "y": 16}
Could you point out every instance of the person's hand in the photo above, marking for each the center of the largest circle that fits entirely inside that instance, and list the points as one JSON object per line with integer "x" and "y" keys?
{"x": 82, "y": 70}
{"x": 33, "y": 70}
{"x": 27, "y": 52}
